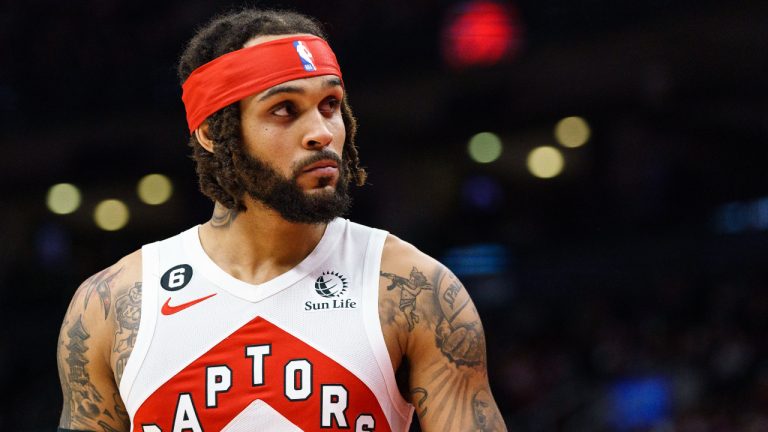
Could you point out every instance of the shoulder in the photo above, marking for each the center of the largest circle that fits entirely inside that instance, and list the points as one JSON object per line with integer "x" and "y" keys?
{"x": 89, "y": 365}
{"x": 400, "y": 258}
{"x": 407, "y": 275}
{"x": 405, "y": 268}
{"x": 93, "y": 303}
{"x": 398, "y": 254}
{"x": 428, "y": 302}
{"x": 94, "y": 309}
{"x": 95, "y": 296}
{"x": 97, "y": 289}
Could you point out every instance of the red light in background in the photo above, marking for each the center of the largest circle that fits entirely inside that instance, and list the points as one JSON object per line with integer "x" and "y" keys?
{"x": 481, "y": 33}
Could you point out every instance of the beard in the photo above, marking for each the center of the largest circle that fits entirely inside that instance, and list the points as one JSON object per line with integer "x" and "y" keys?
{"x": 263, "y": 183}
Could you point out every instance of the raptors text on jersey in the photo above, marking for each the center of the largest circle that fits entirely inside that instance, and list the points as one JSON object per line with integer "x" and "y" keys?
{"x": 297, "y": 387}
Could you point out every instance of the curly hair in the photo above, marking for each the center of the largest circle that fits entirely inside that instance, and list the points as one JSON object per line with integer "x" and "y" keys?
{"x": 217, "y": 171}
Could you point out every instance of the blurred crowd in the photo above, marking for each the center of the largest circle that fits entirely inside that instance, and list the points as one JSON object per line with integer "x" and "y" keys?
{"x": 672, "y": 350}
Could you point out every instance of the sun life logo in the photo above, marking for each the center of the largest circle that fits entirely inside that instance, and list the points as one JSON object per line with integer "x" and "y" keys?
{"x": 331, "y": 284}
{"x": 305, "y": 55}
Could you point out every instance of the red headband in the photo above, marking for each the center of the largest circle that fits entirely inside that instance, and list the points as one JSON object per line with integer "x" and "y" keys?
{"x": 251, "y": 70}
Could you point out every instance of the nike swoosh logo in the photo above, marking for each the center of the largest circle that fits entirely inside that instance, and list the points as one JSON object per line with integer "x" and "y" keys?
{"x": 167, "y": 309}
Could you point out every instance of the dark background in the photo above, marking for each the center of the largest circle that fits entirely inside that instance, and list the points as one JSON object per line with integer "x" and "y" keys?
{"x": 627, "y": 293}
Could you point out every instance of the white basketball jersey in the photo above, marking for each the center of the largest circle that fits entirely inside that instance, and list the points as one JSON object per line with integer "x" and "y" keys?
{"x": 301, "y": 352}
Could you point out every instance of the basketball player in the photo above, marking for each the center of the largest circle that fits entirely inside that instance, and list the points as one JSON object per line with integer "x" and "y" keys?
{"x": 276, "y": 314}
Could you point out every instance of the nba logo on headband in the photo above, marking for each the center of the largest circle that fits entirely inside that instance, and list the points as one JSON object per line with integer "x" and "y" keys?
{"x": 306, "y": 57}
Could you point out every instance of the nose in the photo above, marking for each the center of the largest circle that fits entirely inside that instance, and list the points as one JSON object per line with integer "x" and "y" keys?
{"x": 318, "y": 135}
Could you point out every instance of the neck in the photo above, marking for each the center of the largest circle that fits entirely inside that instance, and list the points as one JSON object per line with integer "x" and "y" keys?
{"x": 257, "y": 245}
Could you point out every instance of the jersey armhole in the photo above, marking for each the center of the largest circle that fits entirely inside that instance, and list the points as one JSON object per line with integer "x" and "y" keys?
{"x": 371, "y": 271}
{"x": 149, "y": 281}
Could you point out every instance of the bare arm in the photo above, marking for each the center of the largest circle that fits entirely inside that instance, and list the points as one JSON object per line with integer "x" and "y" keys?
{"x": 444, "y": 342}
{"x": 89, "y": 366}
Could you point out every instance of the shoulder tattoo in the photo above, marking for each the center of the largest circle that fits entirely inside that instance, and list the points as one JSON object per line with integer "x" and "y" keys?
{"x": 452, "y": 316}
{"x": 128, "y": 314}
{"x": 100, "y": 283}
{"x": 410, "y": 288}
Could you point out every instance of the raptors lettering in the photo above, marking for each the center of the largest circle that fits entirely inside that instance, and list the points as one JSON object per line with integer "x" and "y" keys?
{"x": 261, "y": 380}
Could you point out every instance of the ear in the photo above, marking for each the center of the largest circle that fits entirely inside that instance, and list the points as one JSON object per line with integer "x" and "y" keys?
{"x": 203, "y": 137}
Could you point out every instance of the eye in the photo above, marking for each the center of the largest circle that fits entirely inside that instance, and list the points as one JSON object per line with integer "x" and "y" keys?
{"x": 330, "y": 105}
{"x": 285, "y": 109}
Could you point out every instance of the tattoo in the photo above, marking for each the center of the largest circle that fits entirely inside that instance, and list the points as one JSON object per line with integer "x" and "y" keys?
{"x": 454, "y": 382}
{"x": 128, "y": 312}
{"x": 222, "y": 216}
{"x": 122, "y": 414}
{"x": 448, "y": 392}
{"x": 409, "y": 289}
{"x": 463, "y": 342}
{"x": 106, "y": 428}
{"x": 66, "y": 412}
{"x": 100, "y": 283}
{"x": 84, "y": 407}
{"x": 421, "y": 403}
{"x": 460, "y": 340}
{"x": 485, "y": 414}
{"x": 450, "y": 293}
{"x": 84, "y": 395}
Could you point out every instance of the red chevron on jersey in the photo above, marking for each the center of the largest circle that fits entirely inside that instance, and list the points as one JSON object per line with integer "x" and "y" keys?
{"x": 261, "y": 373}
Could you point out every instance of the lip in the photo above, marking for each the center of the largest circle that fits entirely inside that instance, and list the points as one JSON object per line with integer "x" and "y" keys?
{"x": 321, "y": 165}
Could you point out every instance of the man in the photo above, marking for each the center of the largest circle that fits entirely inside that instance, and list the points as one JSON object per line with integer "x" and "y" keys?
{"x": 276, "y": 314}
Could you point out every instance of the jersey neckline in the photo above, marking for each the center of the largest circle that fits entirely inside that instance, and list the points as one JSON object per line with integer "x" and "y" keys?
{"x": 257, "y": 292}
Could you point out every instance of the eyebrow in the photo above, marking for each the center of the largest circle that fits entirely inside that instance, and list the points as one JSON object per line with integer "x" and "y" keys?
{"x": 330, "y": 82}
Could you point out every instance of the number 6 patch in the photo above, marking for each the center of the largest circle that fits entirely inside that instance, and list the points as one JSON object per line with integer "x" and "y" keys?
{"x": 176, "y": 277}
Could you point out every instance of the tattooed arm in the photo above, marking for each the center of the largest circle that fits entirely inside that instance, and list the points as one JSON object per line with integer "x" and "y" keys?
{"x": 428, "y": 317}
{"x": 97, "y": 335}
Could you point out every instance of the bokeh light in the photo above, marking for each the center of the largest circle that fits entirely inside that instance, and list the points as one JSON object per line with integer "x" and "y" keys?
{"x": 484, "y": 147}
{"x": 481, "y": 33}
{"x": 63, "y": 198}
{"x": 572, "y": 132}
{"x": 478, "y": 259}
{"x": 111, "y": 215}
{"x": 545, "y": 162}
{"x": 155, "y": 189}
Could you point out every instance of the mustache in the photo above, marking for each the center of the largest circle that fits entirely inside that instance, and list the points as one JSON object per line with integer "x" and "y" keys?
{"x": 317, "y": 157}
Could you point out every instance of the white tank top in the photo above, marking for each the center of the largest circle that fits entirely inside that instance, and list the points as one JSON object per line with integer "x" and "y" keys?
{"x": 303, "y": 351}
